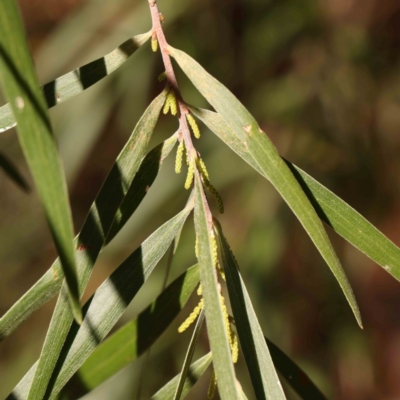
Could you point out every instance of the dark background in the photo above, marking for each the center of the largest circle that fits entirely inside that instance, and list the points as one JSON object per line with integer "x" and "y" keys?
{"x": 323, "y": 80}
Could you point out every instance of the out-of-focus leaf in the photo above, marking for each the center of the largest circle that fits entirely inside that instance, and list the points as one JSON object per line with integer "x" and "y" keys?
{"x": 265, "y": 380}
{"x": 36, "y": 138}
{"x": 217, "y": 334}
{"x": 75, "y": 82}
{"x": 189, "y": 355}
{"x": 195, "y": 372}
{"x": 243, "y": 127}
{"x": 50, "y": 283}
{"x": 112, "y": 191}
{"x": 135, "y": 337}
{"x": 293, "y": 374}
{"x": 102, "y": 311}
{"x": 12, "y": 172}
{"x": 346, "y": 221}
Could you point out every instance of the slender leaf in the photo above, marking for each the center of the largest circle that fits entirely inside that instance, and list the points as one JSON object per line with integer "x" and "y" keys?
{"x": 75, "y": 82}
{"x": 135, "y": 337}
{"x": 265, "y": 380}
{"x": 50, "y": 283}
{"x": 189, "y": 355}
{"x": 12, "y": 172}
{"x": 36, "y": 138}
{"x": 195, "y": 372}
{"x": 104, "y": 309}
{"x": 346, "y": 221}
{"x": 116, "y": 185}
{"x": 243, "y": 127}
{"x": 216, "y": 328}
{"x": 293, "y": 374}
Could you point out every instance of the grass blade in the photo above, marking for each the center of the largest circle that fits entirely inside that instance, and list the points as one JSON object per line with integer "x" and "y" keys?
{"x": 336, "y": 213}
{"x": 12, "y": 172}
{"x": 112, "y": 191}
{"x": 189, "y": 355}
{"x": 75, "y": 82}
{"x": 50, "y": 283}
{"x": 104, "y": 309}
{"x": 135, "y": 337}
{"x": 222, "y": 359}
{"x": 195, "y": 372}
{"x": 265, "y": 380}
{"x": 293, "y": 374}
{"x": 36, "y": 138}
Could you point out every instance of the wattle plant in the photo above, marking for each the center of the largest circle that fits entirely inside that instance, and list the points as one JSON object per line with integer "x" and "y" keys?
{"x": 77, "y": 353}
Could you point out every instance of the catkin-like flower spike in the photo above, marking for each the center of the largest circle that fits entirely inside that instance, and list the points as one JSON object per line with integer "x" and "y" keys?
{"x": 214, "y": 248}
{"x": 167, "y": 104}
{"x": 226, "y": 319}
{"x": 179, "y": 156}
{"x": 193, "y": 125}
{"x": 190, "y": 175}
{"x": 221, "y": 271}
{"x": 216, "y": 195}
{"x": 172, "y": 102}
{"x": 203, "y": 169}
{"x": 212, "y": 386}
{"x": 154, "y": 42}
{"x": 192, "y": 317}
{"x": 162, "y": 76}
{"x": 234, "y": 347}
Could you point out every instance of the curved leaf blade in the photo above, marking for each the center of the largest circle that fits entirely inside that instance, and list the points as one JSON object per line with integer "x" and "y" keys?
{"x": 222, "y": 359}
{"x": 114, "y": 183}
{"x": 243, "y": 127}
{"x": 104, "y": 309}
{"x": 35, "y": 134}
{"x": 75, "y": 82}
{"x": 195, "y": 372}
{"x": 293, "y": 374}
{"x": 265, "y": 380}
{"x": 135, "y": 337}
{"x": 336, "y": 213}
{"x": 50, "y": 283}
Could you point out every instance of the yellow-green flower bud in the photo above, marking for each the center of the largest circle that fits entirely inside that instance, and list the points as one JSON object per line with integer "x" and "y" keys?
{"x": 154, "y": 44}
{"x": 190, "y": 175}
{"x": 179, "y": 156}
{"x": 193, "y": 125}
{"x": 192, "y": 317}
{"x": 203, "y": 169}
{"x": 162, "y": 76}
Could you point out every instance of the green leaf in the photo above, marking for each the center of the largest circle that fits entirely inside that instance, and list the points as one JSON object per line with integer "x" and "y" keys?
{"x": 104, "y": 309}
{"x": 75, "y": 82}
{"x": 50, "y": 283}
{"x": 113, "y": 190}
{"x": 12, "y": 172}
{"x": 35, "y": 134}
{"x": 217, "y": 334}
{"x": 346, "y": 221}
{"x": 189, "y": 355}
{"x": 243, "y": 127}
{"x": 293, "y": 374}
{"x": 265, "y": 380}
{"x": 195, "y": 372}
{"x": 135, "y": 337}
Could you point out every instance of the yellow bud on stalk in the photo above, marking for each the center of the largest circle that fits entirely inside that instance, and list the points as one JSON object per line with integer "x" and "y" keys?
{"x": 154, "y": 43}
{"x": 212, "y": 386}
{"x": 179, "y": 157}
{"x": 193, "y": 125}
{"x": 190, "y": 175}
